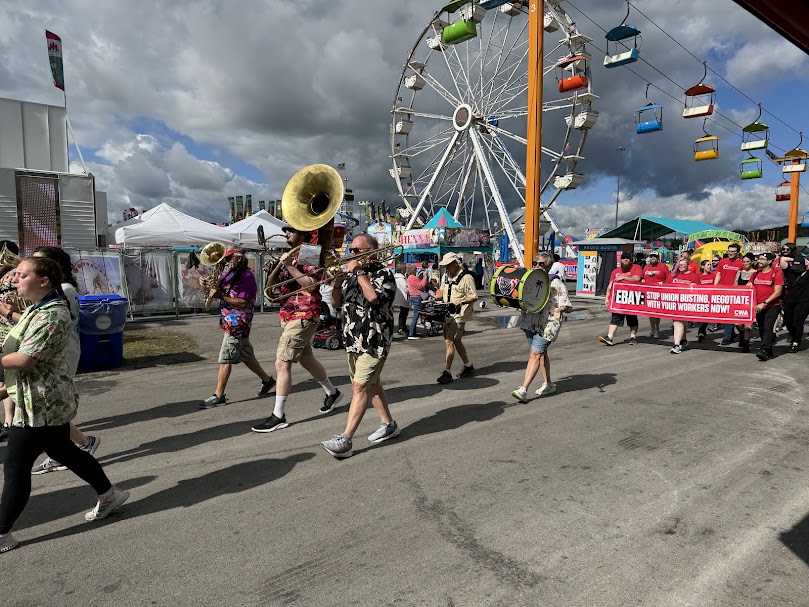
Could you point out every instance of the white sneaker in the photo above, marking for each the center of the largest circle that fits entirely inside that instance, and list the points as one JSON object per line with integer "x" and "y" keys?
{"x": 521, "y": 394}
{"x": 105, "y": 507}
{"x": 546, "y": 389}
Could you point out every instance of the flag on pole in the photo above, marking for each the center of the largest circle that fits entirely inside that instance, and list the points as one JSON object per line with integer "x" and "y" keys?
{"x": 239, "y": 208}
{"x": 341, "y": 166}
{"x": 248, "y": 205}
{"x": 232, "y": 209}
{"x": 55, "y": 58}
{"x": 261, "y": 206}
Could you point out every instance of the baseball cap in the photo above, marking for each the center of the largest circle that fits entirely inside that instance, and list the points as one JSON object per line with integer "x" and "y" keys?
{"x": 654, "y": 254}
{"x": 448, "y": 258}
{"x": 291, "y": 229}
{"x": 233, "y": 250}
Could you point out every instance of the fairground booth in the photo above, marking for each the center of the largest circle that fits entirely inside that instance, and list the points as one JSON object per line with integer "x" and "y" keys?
{"x": 444, "y": 234}
{"x": 599, "y": 256}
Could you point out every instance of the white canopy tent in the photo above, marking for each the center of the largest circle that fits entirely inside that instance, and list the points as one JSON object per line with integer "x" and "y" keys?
{"x": 246, "y": 230}
{"x": 166, "y": 226}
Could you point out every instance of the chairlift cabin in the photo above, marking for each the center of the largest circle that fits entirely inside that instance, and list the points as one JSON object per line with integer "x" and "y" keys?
{"x": 783, "y": 191}
{"x": 577, "y": 65}
{"x": 755, "y": 136}
{"x": 706, "y": 148}
{"x": 751, "y": 168}
{"x": 460, "y": 31}
{"x": 805, "y": 220}
{"x": 649, "y": 119}
{"x": 621, "y": 55}
{"x": 699, "y": 101}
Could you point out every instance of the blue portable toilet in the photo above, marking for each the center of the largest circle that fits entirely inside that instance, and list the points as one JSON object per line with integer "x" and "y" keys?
{"x": 101, "y": 331}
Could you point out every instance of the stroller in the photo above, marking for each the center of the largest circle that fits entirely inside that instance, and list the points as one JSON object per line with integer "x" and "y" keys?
{"x": 329, "y": 332}
{"x": 431, "y": 316}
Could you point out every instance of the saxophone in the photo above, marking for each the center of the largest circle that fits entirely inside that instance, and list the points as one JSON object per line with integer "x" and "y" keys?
{"x": 213, "y": 254}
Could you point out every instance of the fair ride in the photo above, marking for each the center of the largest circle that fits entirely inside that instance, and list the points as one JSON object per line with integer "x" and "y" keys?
{"x": 458, "y": 128}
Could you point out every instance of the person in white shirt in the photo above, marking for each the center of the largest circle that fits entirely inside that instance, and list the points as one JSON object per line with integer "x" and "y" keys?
{"x": 557, "y": 268}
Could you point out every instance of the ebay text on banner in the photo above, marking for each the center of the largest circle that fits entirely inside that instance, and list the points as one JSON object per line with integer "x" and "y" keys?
{"x": 699, "y": 304}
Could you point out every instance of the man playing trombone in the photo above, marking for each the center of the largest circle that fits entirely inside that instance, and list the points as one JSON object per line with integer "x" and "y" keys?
{"x": 365, "y": 299}
{"x": 300, "y": 309}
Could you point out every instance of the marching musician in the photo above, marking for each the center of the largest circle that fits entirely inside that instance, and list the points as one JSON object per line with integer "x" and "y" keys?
{"x": 458, "y": 290}
{"x": 236, "y": 292}
{"x": 365, "y": 298}
{"x": 300, "y": 311}
{"x": 542, "y": 329}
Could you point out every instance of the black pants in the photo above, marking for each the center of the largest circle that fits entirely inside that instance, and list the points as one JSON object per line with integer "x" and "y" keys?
{"x": 25, "y": 445}
{"x": 403, "y": 312}
{"x": 794, "y": 317}
{"x": 766, "y": 326}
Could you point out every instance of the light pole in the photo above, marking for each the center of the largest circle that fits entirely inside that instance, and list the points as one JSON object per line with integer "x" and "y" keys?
{"x": 620, "y": 148}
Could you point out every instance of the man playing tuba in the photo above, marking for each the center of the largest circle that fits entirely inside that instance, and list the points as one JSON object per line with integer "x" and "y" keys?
{"x": 300, "y": 310}
{"x": 236, "y": 292}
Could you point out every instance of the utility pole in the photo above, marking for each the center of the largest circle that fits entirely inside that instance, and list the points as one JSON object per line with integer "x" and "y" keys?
{"x": 534, "y": 134}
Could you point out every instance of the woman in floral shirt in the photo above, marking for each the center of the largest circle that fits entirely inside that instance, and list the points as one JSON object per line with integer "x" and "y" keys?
{"x": 45, "y": 397}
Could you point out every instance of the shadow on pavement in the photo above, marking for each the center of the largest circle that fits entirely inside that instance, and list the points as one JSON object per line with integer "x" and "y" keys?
{"x": 72, "y": 501}
{"x": 585, "y": 381}
{"x": 178, "y": 409}
{"x": 797, "y": 539}
{"x": 190, "y": 492}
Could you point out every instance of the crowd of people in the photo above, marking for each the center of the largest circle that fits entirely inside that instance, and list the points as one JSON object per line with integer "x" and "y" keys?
{"x": 779, "y": 284}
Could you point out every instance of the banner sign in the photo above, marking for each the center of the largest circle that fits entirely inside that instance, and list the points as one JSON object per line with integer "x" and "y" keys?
{"x": 248, "y": 205}
{"x": 713, "y": 234}
{"x": 591, "y": 233}
{"x": 467, "y": 237}
{"x": 239, "y": 208}
{"x": 232, "y": 208}
{"x": 419, "y": 239}
{"x": 723, "y": 305}
{"x": 382, "y": 232}
{"x": 571, "y": 269}
{"x": 55, "y": 58}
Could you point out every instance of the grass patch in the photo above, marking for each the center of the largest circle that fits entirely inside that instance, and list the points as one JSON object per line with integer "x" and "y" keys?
{"x": 152, "y": 346}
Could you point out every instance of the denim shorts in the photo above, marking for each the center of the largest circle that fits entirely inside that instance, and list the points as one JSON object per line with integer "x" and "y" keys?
{"x": 536, "y": 342}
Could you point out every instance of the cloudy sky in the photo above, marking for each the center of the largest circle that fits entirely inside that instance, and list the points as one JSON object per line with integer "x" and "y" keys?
{"x": 191, "y": 101}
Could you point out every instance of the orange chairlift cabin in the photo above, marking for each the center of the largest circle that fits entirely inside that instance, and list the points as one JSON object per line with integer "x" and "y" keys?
{"x": 577, "y": 66}
{"x": 699, "y": 99}
{"x": 755, "y": 136}
{"x": 615, "y": 37}
{"x": 783, "y": 191}
{"x": 707, "y": 147}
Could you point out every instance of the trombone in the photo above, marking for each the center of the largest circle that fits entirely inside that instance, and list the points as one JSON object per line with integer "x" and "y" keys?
{"x": 331, "y": 270}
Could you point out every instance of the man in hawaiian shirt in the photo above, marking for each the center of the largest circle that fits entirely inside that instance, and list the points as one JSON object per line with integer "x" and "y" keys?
{"x": 236, "y": 293}
{"x": 300, "y": 312}
{"x": 365, "y": 298}
{"x": 542, "y": 329}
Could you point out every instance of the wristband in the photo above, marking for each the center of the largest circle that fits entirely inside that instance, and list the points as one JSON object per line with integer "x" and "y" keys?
{"x": 360, "y": 273}
{"x": 10, "y": 315}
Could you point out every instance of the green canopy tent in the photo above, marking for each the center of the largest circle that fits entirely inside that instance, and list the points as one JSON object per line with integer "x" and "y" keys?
{"x": 652, "y": 228}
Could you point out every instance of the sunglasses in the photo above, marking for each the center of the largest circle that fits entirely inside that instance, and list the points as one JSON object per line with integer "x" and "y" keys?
{"x": 356, "y": 250}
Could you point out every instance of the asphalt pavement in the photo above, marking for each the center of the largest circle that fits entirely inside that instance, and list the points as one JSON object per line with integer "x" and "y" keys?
{"x": 648, "y": 479}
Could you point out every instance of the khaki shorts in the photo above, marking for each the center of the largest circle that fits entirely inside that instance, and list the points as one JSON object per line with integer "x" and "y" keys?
{"x": 296, "y": 340}
{"x": 364, "y": 369}
{"x": 453, "y": 329}
{"x": 235, "y": 350}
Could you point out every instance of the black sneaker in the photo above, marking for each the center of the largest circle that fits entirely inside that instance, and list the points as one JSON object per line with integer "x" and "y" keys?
{"x": 466, "y": 372}
{"x": 701, "y": 337}
{"x": 213, "y": 401}
{"x": 266, "y": 387}
{"x": 726, "y": 342}
{"x": 445, "y": 377}
{"x": 271, "y": 424}
{"x": 330, "y": 402}
{"x": 762, "y": 355}
{"x": 793, "y": 348}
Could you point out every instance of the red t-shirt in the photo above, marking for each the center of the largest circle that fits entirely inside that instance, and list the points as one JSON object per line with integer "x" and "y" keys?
{"x": 764, "y": 284}
{"x": 707, "y": 279}
{"x": 656, "y": 274}
{"x": 684, "y": 278}
{"x": 728, "y": 270}
{"x": 635, "y": 270}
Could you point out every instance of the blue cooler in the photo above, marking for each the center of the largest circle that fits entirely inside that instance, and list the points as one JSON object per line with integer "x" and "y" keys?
{"x": 101, "y": 331}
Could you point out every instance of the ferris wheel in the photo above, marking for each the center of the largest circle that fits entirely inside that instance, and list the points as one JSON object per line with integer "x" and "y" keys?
{"x": 458, "y": 128}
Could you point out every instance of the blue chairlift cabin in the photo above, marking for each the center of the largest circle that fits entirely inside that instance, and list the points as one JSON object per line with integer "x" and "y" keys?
{"x": 621, "y": 54}
{"x": 649, "y": 118}
{"x": 751, "y": 168}
{"x": 805, "y": 220}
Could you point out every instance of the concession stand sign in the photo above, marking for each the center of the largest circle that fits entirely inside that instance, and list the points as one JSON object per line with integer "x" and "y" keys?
{"x": 699, "y": 304}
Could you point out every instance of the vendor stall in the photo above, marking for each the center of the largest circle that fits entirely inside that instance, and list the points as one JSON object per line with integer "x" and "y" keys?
{"x": 598, "y": 257}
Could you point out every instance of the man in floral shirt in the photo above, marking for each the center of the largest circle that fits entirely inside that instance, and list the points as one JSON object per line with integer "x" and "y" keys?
{"x": 236, "y": 293}
{"x": 365, "y": 298}
{"x": 542, "y": 329}
{"x": 300, "y": 313}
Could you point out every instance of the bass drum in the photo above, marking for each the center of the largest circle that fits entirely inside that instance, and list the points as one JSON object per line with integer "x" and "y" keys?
{"x": 523, "y": 288}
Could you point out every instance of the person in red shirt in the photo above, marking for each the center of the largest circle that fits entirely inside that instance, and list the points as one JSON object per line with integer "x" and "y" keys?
{"x": 767, "y": 284}
{"x": 655, "y": 273}
{"x": 706, "y": 278}
{"x": 417, "y": 290}
{"x": 628, "y": 272}
{"x": 692, "y": 265}
{"x": 726, "y": 273}
{"x": 685, "y": 277}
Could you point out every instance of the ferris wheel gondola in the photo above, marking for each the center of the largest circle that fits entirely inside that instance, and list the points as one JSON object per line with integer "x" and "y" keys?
{"x": 458, "y": 127}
